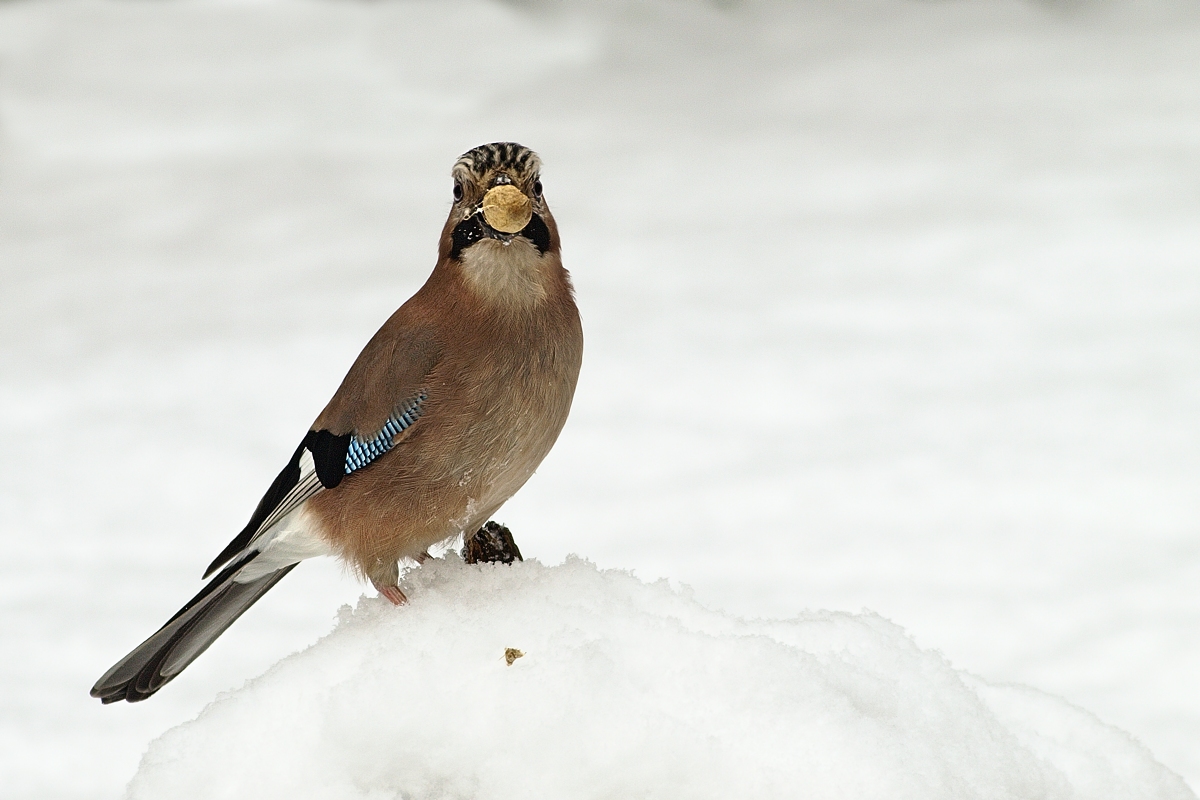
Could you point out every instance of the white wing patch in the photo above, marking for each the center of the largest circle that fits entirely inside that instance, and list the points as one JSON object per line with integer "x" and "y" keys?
{"x": 289, "y": 533}
{"x": 294, "y": 538}
{"x": 308, "y": 485}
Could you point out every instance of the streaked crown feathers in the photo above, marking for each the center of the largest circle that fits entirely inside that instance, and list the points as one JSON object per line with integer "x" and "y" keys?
{"x": 483, "y": 165}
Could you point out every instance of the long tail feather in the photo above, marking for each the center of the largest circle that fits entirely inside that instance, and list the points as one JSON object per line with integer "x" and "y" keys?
{"x": 156, "y": 661}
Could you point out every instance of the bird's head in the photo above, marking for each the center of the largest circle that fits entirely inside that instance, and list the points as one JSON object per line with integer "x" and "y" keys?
{"x": 500, "y": 229}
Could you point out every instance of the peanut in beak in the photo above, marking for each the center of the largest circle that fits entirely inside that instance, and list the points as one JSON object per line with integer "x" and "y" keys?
{"x": 506, "y": 208}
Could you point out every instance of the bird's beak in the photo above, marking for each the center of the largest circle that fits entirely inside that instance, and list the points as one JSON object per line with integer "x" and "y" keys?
{"x": 506, "y": 208}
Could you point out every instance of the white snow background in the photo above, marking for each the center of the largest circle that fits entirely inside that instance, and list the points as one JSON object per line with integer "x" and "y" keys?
{"x": 890, "y": 305}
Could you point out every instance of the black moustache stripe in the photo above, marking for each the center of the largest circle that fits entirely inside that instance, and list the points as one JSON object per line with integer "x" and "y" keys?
{"x": 466, "y": 233}
{"x": 537, "y": 232}
{"x": 472, "y": 229}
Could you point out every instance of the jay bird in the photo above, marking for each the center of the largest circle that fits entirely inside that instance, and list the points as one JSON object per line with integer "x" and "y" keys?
{"x": 444, "y": 415}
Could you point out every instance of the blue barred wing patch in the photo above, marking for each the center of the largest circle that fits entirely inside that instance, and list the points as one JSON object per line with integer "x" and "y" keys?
{"x": 362, "y": 452}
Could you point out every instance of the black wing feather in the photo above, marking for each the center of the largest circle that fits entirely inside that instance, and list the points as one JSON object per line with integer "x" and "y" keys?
{"x": 329, "y": 457}
{"x": 279, "y": 488}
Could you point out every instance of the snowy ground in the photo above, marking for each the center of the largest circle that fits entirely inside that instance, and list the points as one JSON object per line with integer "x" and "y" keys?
{"x": 889, "y": 304}
{"x": 623, "y": 689}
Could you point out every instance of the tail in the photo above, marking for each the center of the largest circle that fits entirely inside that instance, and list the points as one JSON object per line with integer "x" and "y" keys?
{"x": 154, "y": 662}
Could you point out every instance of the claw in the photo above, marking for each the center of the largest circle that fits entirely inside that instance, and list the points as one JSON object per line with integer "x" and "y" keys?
{"x": 393, "y": 594}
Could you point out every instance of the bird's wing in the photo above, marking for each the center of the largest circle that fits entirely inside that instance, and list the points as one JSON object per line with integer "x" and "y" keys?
{"x": 359, "y": 425}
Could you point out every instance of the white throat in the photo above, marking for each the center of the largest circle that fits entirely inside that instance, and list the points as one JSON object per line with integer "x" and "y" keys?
{"x": 515, "y": 274}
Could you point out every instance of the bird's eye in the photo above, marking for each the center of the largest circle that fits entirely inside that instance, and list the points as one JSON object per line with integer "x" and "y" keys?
{"x": 537, "y": 188}
{"x": 458, "y": 191}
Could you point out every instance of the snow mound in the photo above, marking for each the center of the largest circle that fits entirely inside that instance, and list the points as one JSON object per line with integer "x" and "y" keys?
{"x": 629, "y": 690}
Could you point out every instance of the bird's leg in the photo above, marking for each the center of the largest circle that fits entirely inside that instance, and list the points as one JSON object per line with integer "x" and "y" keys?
{"x": 422, "y": 557}
{"x": 384, "y": 578}
{"x": 392, "y": 593}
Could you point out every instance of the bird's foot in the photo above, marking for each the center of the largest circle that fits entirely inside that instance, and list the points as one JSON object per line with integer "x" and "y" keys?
{"x": 421, "y": 558}
{"x": 393, "y": 594}
{"x": 493, "y": 542}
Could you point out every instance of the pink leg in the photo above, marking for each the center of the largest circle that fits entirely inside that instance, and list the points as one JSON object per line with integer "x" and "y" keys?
{"x": 393, "y": 594}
